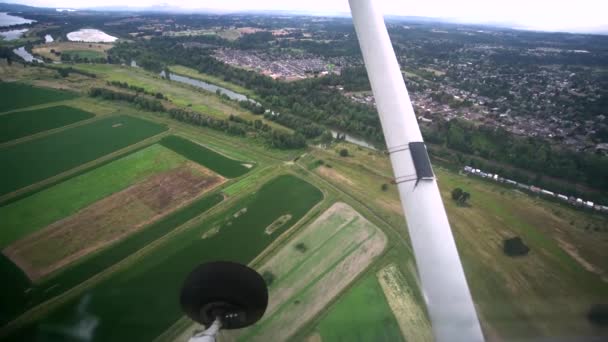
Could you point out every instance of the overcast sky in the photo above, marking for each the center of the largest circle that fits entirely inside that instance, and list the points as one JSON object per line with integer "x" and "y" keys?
{"x": 551, "y": 15}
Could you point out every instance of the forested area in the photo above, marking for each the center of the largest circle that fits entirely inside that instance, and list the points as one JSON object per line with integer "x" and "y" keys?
{"x": 532, "y": 154}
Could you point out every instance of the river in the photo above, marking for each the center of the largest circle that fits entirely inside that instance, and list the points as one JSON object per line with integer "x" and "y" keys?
{"x": 12, "y": 34}
{"x": 207, "y": 86}
{"x": 9, "y": 20}
{"x": 22, "y": 52}
{"x": 354, "y": 140}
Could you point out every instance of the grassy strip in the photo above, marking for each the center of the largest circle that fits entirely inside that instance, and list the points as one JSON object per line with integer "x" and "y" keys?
{"x": 362, "y": 314}
{"x": 20, "y": 124}
{"x": 35, "y": 160}
{"x": 28, "y": 295}
{"x": 18, "y": 95}
{"x": 226, "y": 167}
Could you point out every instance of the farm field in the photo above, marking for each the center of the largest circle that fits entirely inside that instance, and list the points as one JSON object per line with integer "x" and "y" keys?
{"x": 88, "y": 50}
{"x": 217, "y": 162}
{"x": 362, "y": 314}
{"x": 240, "y": 238}
{"x": 313, "y": 268}
{"x": 23, "y": 294}
{"x": 500, "y": 284}
{"x": 110, "y": 219}
{"x": 20, "y": 124}
{"x": 33, "y": 161}
{"x": 15, "y": 95}
{"x": 66, "y": 198}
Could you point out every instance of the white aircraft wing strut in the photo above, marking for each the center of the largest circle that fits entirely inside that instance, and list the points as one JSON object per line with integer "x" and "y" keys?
{"x": 444, "y": 285}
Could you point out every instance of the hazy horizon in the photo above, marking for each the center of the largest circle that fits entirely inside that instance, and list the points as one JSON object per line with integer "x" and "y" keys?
{"x": 588, "y": 16}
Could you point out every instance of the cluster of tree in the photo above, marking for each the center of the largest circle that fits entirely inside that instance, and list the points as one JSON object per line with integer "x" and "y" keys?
{"x": 233, "y": 128}
{"x": 75, "y": 58}
{"x": 65, "y": 72}
{"x": 138, "y": 100}
{"x": 301, "y": 125}
{"x": 530, "y": 154}
{"x": 251, "y": 106}
{"x": 460, "y": 196}
{"x": 515, "y": 247}
{"x": 7, "y": 53}
{"x": 137, "y": 89}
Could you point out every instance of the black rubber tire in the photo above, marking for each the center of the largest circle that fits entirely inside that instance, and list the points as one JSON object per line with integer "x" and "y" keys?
{"x": 234, "y": 292}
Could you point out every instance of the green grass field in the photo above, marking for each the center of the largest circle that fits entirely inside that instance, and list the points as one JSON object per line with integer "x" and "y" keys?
{"x": 152, "y": 284}
{"x": 518, "y": 298}
{"x": 20, "y": 124}
{"x": 18, "y": 95}
{"x": 22, "y": 295}
{"x": 362, "y": 314}
{"x": 90, "y": 54}
{"x": 33, "y": 161}
{"x": 64, "y": 199}
{"x": 226, "y": 167}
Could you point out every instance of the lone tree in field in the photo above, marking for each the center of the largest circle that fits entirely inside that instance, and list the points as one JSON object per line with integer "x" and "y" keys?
{"x": 268, "y": 277}
{"x": 384, "y": 187}
{"x": 460, "y": 196}
{"x": 515, "y": 247}
{"x": 343, "y": 152}
{"x": 301, "y": 247}
{"x": 598, "y": 315}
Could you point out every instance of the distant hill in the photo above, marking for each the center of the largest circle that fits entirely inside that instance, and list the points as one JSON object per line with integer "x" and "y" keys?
{"x": 7, "y": 7}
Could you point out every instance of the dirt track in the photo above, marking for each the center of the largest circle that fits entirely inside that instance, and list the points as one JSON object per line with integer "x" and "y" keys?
{"x": 109, "y": 219}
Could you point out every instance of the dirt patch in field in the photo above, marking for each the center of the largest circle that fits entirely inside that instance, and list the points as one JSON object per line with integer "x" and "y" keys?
{"x": 316, "y": 337}
{"x": 410, "y": 317}
{"x": 573, "y": 252}
{"x": 278, "y": 223}
{"x": 110, "y": 219}
{"x": 340, "y": 244}
{"x": 331, "y": 173}
{"x": 211, "y": 232}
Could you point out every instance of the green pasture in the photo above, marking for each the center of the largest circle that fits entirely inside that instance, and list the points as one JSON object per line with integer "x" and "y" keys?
{"x": 20, "y": 124}
{"x": 64, "y": 199}
{"x": 141, "y": 302}
{"x": 226, "y": 167}
{"x": 35, "y": 160}
{"x": 362, "y": 314}
{"x": 18, "y": 95}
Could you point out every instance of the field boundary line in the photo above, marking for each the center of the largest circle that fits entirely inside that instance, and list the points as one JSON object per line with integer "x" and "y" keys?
{"x": 53, "y": 130}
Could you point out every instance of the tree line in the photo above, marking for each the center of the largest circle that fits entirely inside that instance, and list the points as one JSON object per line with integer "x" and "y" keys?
{"x": 533, "y": 154}
{"x": 139, "y": 101}
{"x": 240, "y": 127}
